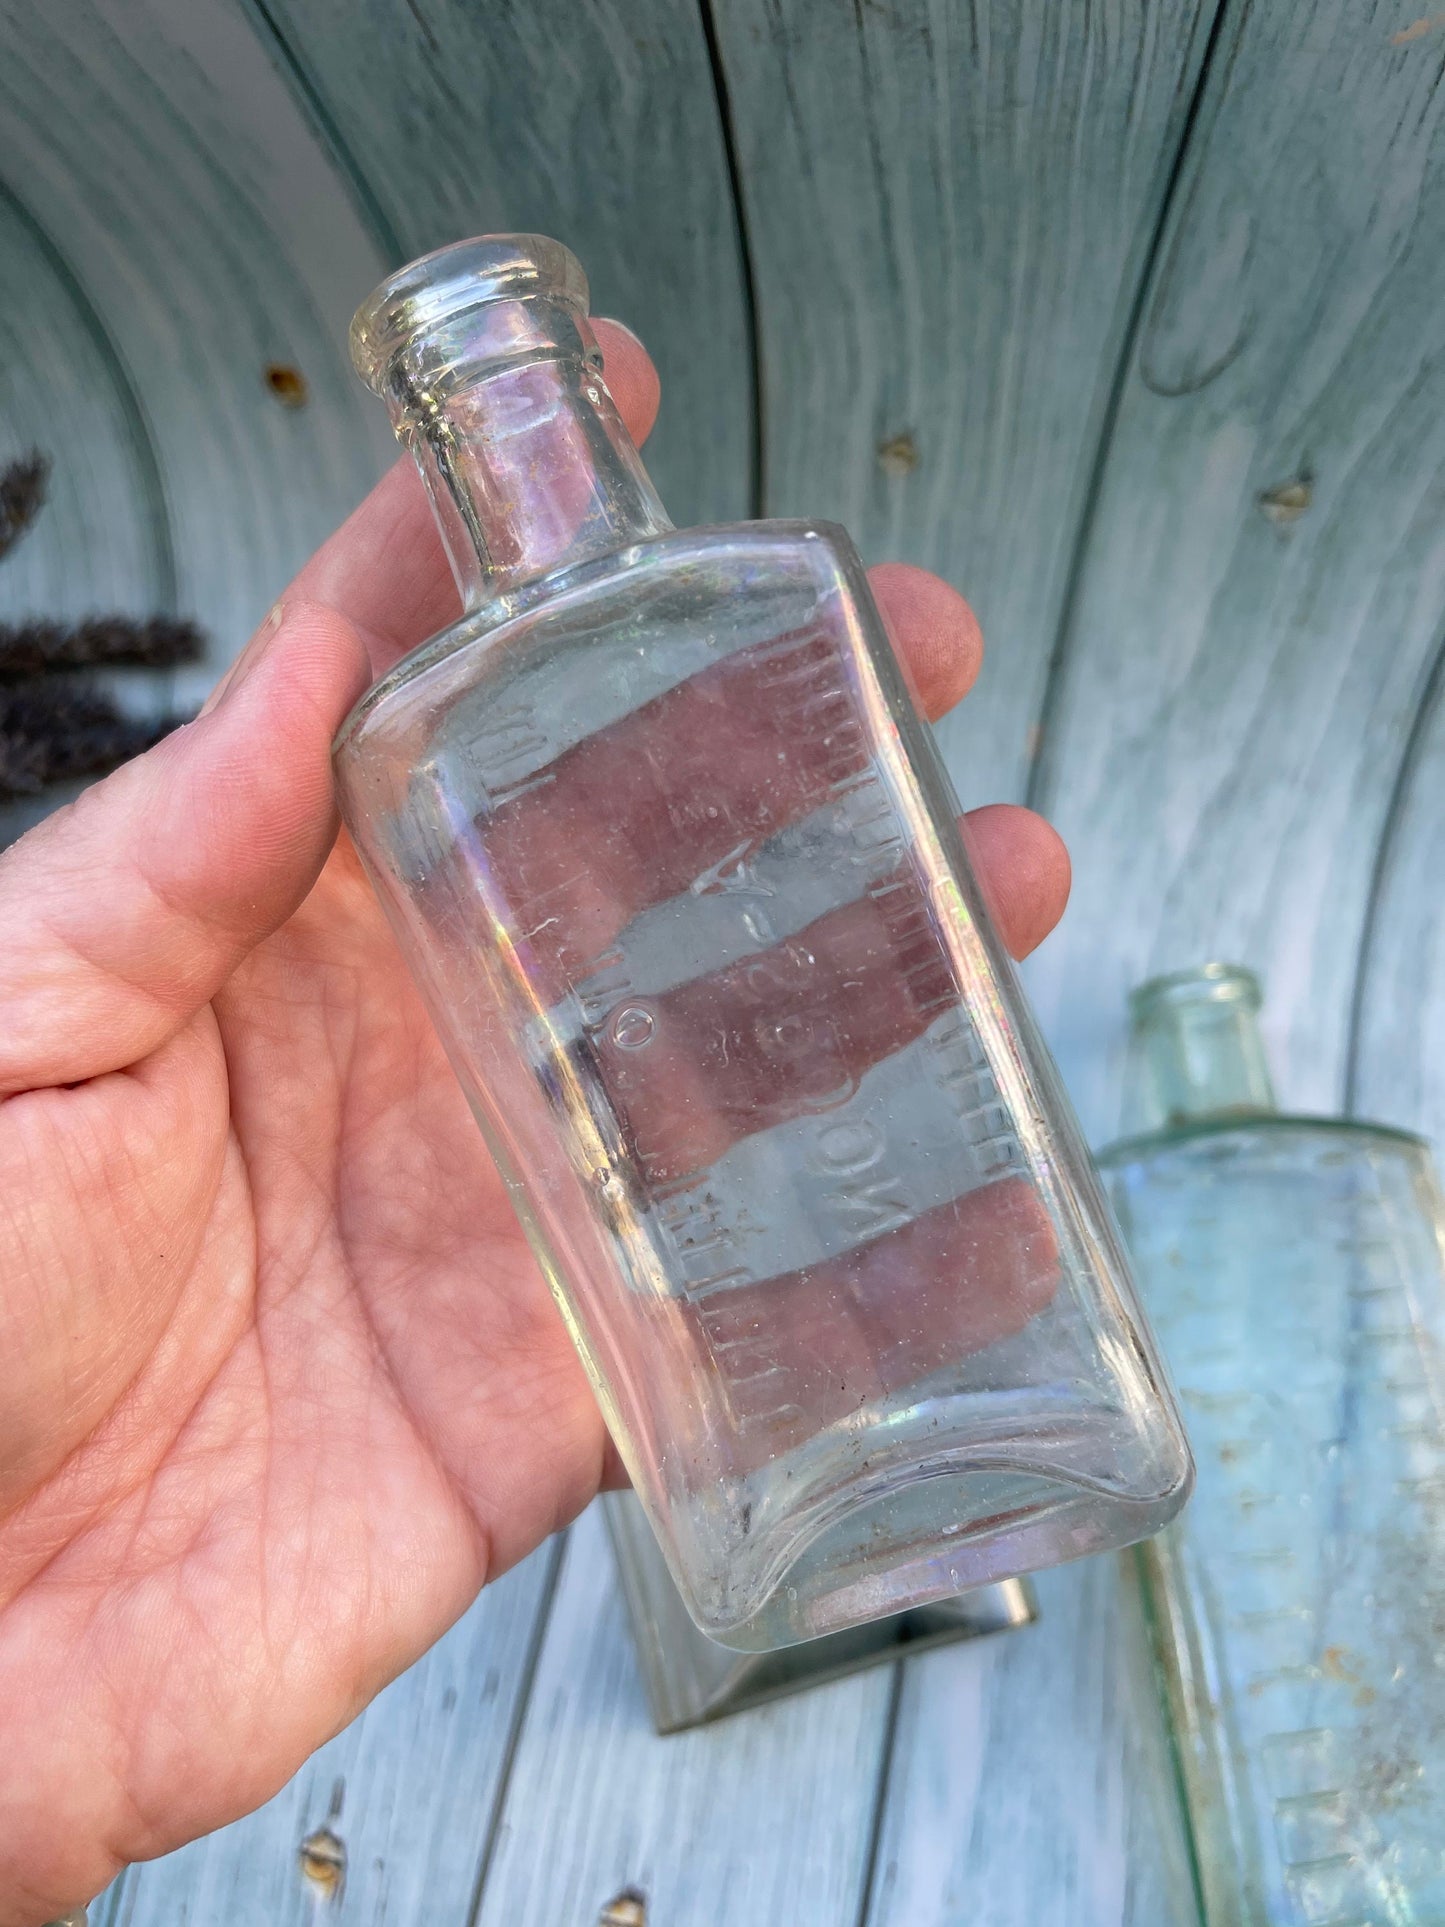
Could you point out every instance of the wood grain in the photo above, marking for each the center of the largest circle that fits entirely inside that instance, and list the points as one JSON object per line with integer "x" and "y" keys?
{"x": 160, "y": 152}
{"x": 949, "y": 209}
{"x": 1397, "y": 1067}
{"x": 594, "y": 123}
{"x": 100, "y": 542}
{"x": 102, "y": 539}
{"x": 765, "y": 1817}
{"x": 1265, "y": 573}
{"x": 407, "y": 1792}
{"x": 1030, "y": 1779}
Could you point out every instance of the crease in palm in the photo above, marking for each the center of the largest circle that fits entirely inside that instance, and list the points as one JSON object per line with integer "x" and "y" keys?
{"x": 285, "y": 1385}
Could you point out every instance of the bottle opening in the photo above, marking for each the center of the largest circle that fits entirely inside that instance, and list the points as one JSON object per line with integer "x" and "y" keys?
{"x": 487, "y": 363}
{"x": 1211, "y": 983}
{"x": 408, "y": 328}
{"x": 1195, "y": 1051}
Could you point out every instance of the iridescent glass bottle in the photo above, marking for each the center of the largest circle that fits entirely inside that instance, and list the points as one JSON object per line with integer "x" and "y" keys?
{"x": 1293, "y": 1266}
{"x": 679, "y": 873}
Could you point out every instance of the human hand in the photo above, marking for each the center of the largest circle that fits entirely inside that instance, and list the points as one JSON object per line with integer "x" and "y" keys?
{"x": 284, "y": 1384}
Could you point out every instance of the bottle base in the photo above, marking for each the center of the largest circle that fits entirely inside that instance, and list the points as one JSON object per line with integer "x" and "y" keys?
{"x": 690, "y": 1680}
{"x": 941, "y": 1535}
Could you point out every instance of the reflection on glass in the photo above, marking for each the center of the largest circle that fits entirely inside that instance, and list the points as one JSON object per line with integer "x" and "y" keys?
{"x": 680, "y": 875}
{"x": 1294, "y": 1269}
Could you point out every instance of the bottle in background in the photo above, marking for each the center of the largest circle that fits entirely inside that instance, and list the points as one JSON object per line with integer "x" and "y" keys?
{"x": 1293, "y": 1269}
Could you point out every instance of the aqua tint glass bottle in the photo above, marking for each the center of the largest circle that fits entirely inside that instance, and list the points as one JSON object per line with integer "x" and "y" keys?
{"x": 1293, "y": 1266}
{"x": 679, "y": 874}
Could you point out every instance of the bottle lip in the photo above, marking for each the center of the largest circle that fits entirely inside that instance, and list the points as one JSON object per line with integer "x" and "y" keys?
{"x": 1211, "y": 983}
{"x": 451, "y": 282}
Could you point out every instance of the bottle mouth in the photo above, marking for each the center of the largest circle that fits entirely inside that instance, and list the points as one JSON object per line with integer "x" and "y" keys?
{"x": 1195, "y": 1050}
{"x": 1211, "y": 983}
{"x": 416, "y": 314}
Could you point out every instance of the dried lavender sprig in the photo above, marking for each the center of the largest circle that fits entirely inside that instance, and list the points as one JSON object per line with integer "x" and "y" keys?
{"x": 150, "y": 642}
{"x": 22, "y": 496}
{"x": 54, "y": 728}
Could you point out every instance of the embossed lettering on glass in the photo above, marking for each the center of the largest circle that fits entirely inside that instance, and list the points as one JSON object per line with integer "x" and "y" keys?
{"x": 1296, "y": 1267}
{"x": 679, "y": 873}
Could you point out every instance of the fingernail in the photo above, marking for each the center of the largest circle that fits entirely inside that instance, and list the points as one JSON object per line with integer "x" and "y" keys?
{"x": 622, "y": 328}
{"x": 247, "y": 660}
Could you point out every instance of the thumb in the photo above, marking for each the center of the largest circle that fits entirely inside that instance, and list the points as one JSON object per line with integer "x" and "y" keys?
{"x": 127, "y": 911}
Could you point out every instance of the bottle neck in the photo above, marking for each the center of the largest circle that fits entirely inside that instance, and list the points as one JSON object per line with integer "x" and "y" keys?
{"x": 527, "y": 462}
{"x": 1195, "y": 1051}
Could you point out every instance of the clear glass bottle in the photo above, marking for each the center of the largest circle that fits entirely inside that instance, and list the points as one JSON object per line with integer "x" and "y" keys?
{"x": 1293, "y": 1267}
{"x": 691, "y": 1680}
{"x": 679, "y": 873}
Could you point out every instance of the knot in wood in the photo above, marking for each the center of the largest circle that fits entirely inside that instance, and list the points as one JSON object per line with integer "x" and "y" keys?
{"x": 287, "y": 384}
{"x": 322, "y": 1860}
{"x": 898, "y": 456}
{"x": 627, "y": 1909}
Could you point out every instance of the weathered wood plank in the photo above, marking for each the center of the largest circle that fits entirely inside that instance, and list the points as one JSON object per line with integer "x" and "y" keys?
{"x": 99, "y": 542}
{"x": 1265, "y": 578}
{"x": 1031, "y": 1780}
{"x": 1398, "y": 1064}
{"x": 765, "y": 1817}
{"x": 597, "y": 124}
{"x": 1228, "y": 715}
{"x": 407, "y": 1791}
{"x": 949, "y": 209}
{"x": 155, "y": 144}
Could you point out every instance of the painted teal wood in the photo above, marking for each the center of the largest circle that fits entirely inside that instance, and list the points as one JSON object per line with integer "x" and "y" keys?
{"x": 1398, "y": 1062}
{"x": 595, "y": 123}
{"x": 102, "y": 540}
{"x": 1263, "y": 582}
{"x": 99, "y": 542}
{"x": 950, "y": 207}
{"x": 404, "y": 1796}
{"x": 1031, "y": 1780}
{"x": 160, "y": 152}
{"x": 950, "y": 211}
{"x": 766, "y": 1817}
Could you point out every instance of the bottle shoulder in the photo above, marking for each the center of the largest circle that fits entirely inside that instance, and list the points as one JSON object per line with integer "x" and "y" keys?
{"x": 1265, "y": 1137}
{"x": 770, "y": 576}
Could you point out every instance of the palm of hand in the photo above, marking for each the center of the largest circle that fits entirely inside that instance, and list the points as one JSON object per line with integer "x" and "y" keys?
{"x": 285, "y": 1383}
{"x": 351, "y": 1397}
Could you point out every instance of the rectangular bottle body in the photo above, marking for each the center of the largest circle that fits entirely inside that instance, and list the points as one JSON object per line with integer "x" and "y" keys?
{"x": 1294, "y": 1268}
{"x": 680, "y": 877}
